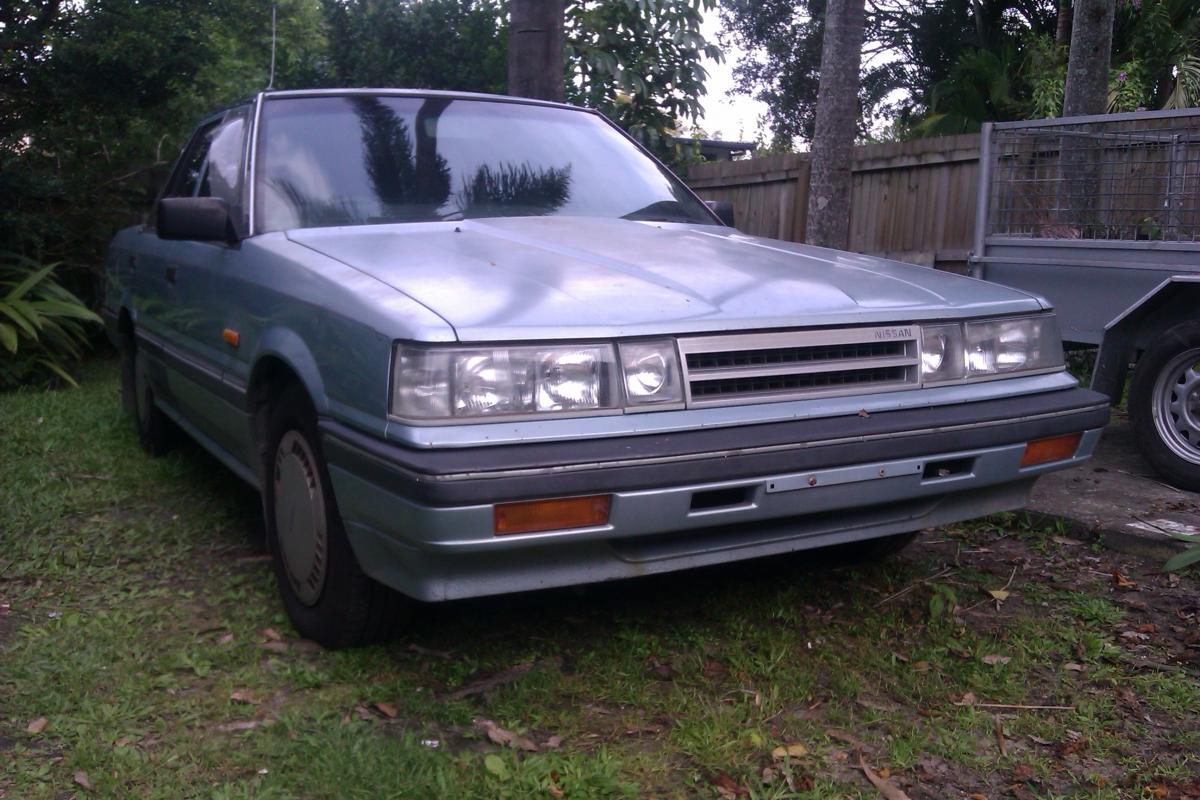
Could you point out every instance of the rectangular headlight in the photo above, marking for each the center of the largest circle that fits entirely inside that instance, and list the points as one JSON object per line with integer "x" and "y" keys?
{"x": 436, "y": 382}
{"x": 651, "y": 373}
{"x": 942, "y": 353}
{"x": 1017, "y": 344}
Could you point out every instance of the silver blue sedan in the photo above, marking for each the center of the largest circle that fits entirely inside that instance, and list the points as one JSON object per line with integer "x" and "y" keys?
{"x": 468, "y": 345}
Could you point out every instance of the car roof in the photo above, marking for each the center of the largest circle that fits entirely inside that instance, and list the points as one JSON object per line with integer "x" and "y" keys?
{"x": 501, "y": 98}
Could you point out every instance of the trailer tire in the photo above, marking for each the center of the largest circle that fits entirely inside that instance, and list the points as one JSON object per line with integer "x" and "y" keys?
{"x": 1164, "y": 405}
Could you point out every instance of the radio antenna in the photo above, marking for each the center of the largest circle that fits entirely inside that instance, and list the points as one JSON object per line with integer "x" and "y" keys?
{"x": 271, "y": 80}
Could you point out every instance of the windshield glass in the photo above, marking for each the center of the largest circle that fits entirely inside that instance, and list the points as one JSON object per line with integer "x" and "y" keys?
{"x": 363, "y": 159}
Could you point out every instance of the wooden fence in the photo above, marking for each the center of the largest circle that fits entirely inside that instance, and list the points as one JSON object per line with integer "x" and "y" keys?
{"x": 913, "y": 201}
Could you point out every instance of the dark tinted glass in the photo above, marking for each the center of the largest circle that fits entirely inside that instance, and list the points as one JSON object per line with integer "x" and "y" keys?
{"x": 360, "y": 159}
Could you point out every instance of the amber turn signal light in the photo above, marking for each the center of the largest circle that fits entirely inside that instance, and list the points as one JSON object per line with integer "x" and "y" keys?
{"x": 550, "y": 515}
{"x": 1054, "y": 448}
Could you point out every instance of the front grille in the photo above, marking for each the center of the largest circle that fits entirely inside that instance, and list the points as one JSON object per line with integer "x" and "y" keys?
{"x": 764, "y": 367}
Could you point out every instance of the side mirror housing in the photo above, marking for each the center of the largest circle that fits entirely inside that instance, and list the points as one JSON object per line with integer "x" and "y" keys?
{"x": 201, "y": 219}
{"x": 724, "y": 210}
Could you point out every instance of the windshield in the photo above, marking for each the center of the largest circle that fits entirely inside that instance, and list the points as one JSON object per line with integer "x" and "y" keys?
{"x": 364, "y": 159}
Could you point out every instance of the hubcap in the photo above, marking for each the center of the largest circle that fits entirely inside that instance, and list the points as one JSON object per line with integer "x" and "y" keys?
{"x": 300, "y": 517}
{"x": 1177, "y": 405}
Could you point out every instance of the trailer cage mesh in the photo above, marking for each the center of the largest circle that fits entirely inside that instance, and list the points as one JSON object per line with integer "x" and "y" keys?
{"x": 1129, "y": 177}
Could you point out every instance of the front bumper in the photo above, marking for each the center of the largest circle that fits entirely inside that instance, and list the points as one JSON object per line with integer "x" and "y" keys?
{"x": 421, "y": 521}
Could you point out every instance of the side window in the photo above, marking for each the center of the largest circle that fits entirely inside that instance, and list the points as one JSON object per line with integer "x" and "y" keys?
{"x": 212, "y": 164}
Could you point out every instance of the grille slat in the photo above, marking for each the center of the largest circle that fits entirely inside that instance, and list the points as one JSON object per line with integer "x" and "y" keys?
{"x": 757, "y": 368}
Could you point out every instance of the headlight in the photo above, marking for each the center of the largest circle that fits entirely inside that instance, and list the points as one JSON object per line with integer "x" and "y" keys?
{"x": 474, "y": 382}
{"x": 651, "y": 373}
{"x": 941, "y": 353}
{"x": 989, "y": 347}
{"x": 1020, "y": 344}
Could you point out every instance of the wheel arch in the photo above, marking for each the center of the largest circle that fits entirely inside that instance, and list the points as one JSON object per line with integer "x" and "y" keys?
{"x": 1173, "y": 301}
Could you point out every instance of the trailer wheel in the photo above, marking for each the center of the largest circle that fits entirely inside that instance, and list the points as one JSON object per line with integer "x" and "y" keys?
{"x": 1164, "y": 405}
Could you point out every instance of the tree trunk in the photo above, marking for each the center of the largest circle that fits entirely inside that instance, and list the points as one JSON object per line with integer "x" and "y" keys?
{"x": 836, "y": 125}
{"x": 1091, "y": 53}
{"x": 535, "y": 49}
{"x": 1062, "y": 34}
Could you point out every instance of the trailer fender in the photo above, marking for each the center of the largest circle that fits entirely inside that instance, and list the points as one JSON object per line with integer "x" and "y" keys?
{"x": 1175, "y": 300}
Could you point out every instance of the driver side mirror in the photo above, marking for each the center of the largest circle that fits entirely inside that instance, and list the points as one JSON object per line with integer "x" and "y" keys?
{"x": 201, "y": 219}
{"x": 724, "y": 211}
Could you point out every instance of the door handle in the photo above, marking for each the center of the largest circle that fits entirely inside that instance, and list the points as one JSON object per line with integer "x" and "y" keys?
{"x": 170, "y": 273}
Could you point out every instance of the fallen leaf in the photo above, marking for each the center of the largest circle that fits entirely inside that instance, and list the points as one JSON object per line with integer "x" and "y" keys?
{"x": 967, "y": 699}
{"x": 977, "y": 796}
{"x": 1123, "y": 583}
{"x": 425, "y": 651}
{"x": 243, "y": 696}
{"x": 272, "y": 634}
{"x": 727, "y": 787}
{"x": 1023, "y": 772}
{"x": 240, "y": 725}
{"x": 1073, "y": 667}
{"x": 1001, "y": 742}
{"x": 921, "y": 666}
{"x": 274, "y": 647}
{"x": 882, "y": 785}
{"x": 225, "y": 639}
{"x": 999, "y": 595}
{"x": 1066, "y": 541}
{"x": 505, "y": 738}
{"x": 1134, "y": 636}
{"x": 495, "y": 765}
{"x": 387, "y": 709}
{"x": 555, "y": 791}
{"x": 124, "y": 741}
{"x": 1149, "y": 627}
{"x": 36, "y": 725}
{"x": 992, "y": 659}
{"x": 793, "y": 750}
{"x": 81, "y": 778}
{"x": 553, "y": 743}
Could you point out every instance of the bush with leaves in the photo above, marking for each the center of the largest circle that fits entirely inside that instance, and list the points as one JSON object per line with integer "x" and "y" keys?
{"x": 44, "y": 328}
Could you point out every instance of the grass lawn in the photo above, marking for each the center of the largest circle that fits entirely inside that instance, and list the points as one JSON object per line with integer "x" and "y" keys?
{"x": 143, "y": 653}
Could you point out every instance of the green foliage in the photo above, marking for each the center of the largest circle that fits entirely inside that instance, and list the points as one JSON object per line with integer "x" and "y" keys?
{"x": 43, "y": 327}
{"x": 432, "y": 44}
{"x": 638, "y": 61}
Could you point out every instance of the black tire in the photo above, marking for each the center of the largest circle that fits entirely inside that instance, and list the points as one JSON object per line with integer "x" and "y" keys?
{"x": 1164, "y": 405}
{"x": 156, "y": 433}
{"x": 327, "y": 596}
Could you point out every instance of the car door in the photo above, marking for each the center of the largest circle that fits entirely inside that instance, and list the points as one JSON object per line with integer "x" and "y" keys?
{"x": 190, "y": 281}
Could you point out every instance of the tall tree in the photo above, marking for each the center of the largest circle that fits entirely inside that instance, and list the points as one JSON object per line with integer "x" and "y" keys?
{"x": 836, "y": 125}
{"x": 535, "y": 50}
{"x": 1062, "y": 30}
{"x": 1090, "y": 57}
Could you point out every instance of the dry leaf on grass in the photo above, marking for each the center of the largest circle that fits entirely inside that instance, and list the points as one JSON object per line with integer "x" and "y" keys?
{"x": 36, "y": 725}
{"x": 885, "y": 788}
{"x": 1123, "y": 583}
{"x": 81, "y": 778}
{"x": 272, "y": 634}
{"x": 240, "y": 725}
{"x": 273, "y": 646}
{"x": 727, "y": 787}
{"x": 491, "y": 682}
{"x": 992, "y": 659}
{"x": 999, "y": 595}
{"x": 1073, "y": 667}
{"x": 243, "y": 696}
{"x": 505, "y": 738}
{"x": 387, "y": 709}
{"x": 793, "y": 750}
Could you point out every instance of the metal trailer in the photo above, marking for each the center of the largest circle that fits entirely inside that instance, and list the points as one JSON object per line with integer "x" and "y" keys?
{"x": 1101, "y": 216}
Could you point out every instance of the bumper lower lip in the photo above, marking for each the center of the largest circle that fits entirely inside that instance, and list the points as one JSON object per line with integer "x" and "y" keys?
{"x": 464, "y": 476}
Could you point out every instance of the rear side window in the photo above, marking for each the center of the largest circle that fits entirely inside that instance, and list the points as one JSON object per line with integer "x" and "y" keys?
{"x": 212, "y": 164}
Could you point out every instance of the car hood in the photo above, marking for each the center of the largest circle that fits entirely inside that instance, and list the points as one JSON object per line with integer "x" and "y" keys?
{"x": 554, "y": 277}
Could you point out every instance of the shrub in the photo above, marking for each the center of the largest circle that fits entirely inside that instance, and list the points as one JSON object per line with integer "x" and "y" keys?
{"x": 43, "y": 327}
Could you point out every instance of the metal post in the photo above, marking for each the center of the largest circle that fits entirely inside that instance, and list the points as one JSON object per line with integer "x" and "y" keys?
{"x": 981, "y": 207}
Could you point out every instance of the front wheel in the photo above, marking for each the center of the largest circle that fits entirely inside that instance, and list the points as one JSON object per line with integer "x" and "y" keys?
{"x": 1164, "y": 405}
{"x": 325, "y": 592}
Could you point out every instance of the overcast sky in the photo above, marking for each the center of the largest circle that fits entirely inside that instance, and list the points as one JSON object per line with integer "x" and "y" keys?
{"x": 727, "y": 116}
